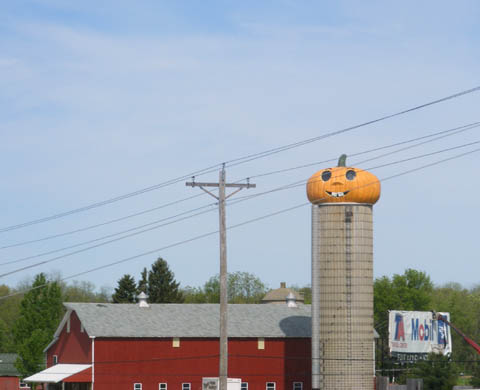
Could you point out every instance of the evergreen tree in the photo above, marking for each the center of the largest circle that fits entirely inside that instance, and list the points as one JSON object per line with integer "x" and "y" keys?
{"x": 162, "y": 286}
{"x": 126, "y": 290}
{"x": 40, "y": 313}
{"x": 143, "y": 282}
{"x": 437, "y": 372}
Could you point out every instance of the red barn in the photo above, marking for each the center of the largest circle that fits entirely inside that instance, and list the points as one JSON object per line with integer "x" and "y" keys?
{"x": 174, "y": 346}
{"x": 9, "y": 376}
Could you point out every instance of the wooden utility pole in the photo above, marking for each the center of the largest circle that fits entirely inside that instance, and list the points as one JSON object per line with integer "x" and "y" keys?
{"x": 223, "y": 369}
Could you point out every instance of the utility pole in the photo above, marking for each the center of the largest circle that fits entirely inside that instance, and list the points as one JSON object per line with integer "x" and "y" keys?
{"x": 223, "y": 369}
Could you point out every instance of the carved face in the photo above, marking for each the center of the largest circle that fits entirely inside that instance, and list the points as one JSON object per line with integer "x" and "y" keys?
{"x": 343, "y": 184}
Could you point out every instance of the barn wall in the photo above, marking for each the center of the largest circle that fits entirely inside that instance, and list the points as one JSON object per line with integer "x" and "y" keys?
{"x": 9, "y": 383}
{"x": 72, "y": 347}
{"x": 119, "y": 363}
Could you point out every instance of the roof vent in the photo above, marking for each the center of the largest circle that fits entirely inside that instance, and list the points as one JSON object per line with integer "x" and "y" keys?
{"x": 142, "y": 300}
{"x": 291, "y": 300}
{"x": 283, "y": 285}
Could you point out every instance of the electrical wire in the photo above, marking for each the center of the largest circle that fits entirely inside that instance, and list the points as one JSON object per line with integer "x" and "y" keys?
{"x": 296, "y": 184}
{"x": 204, "y": 235}
{"x": 100, "y": 224}
{"x": 443, "y": 134}
{"x": 289, "y": 186}
{"x": 234, "y": 162}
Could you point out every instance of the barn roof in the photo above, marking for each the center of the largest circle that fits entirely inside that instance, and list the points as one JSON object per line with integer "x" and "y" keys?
{"x": 7, "y": 364}
{"x": 191, "y": 320}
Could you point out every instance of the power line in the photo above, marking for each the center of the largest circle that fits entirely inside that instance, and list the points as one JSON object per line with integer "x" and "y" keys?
{"x": 204, "y": 235}
{"x": 333, "y": 133}
{"x": 304, "y": 181}
{"x": 445, "y": 133}
{"x": 428, "y": 138}
{"x": 100, "y": 224}
{"x": 284, "y": 187}
{"x": 234, "y": 162}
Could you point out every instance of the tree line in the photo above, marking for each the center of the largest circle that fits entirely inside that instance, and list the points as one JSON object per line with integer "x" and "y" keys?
{"x": 28, "y": 321}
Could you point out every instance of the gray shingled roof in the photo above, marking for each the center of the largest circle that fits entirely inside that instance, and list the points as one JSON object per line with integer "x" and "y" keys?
{"x": 192, "y": 320}
{"x": 7, "y": 367}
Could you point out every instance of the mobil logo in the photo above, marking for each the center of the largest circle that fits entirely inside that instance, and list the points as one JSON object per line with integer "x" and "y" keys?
{"x": 399, "y": 328}
{"x": 442, "y": 333}
{"x": 422, "y": 331}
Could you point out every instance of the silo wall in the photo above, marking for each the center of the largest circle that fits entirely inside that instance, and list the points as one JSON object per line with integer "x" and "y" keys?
{"x": 342, "y": 297}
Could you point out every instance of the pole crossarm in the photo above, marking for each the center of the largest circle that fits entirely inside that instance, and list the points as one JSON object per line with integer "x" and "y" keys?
{"x": 231, "y": 185}
{"x": 221, "y": 185}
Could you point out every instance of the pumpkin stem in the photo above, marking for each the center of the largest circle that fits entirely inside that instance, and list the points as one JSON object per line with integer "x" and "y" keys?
{"x": 342, "y": 161}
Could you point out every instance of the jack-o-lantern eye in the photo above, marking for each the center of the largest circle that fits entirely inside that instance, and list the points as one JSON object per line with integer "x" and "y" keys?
{"x": 350, "y": 175}
{"x": 326, "y": 175}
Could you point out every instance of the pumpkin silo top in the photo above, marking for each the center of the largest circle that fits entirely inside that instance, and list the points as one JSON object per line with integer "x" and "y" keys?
{"x": 342, "y": 184}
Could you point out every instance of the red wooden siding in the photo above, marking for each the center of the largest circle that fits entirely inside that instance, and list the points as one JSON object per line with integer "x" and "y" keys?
{"x": 10, "y": 383}
{"x": 73, "y": 347}
{"x": 121, "y": 362}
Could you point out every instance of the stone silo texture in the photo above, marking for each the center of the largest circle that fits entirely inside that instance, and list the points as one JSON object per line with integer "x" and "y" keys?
{"x": 342, "y": 277}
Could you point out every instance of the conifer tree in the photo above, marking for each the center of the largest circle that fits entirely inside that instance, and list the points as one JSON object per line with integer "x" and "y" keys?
{"x": 40, "y": 313}
{"x": 126, "y": 290}
{"x": 143, "y": 282}
{"x": 162, "y": 286}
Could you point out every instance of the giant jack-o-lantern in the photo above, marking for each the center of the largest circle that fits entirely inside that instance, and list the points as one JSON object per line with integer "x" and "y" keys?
{"x": 343, "y": 184}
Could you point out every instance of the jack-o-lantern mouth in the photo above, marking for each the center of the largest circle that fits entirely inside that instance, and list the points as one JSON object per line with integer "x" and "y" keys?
{"x": 337, "y": 194}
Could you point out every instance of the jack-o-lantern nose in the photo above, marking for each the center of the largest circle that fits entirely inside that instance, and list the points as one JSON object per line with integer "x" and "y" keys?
{"x": 337, "y": 183}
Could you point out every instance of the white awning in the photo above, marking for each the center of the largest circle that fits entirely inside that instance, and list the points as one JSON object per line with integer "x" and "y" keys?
{"x": 57, "y": 373}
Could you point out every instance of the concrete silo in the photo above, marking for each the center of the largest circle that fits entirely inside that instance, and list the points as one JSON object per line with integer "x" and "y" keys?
{"x": 342, "y": 277}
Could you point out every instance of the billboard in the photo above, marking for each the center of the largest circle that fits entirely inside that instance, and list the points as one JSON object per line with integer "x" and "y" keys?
{"x": 412, "y": 335}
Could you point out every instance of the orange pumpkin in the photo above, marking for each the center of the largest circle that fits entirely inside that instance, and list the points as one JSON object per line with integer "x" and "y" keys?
{"x": 343, "y": 184}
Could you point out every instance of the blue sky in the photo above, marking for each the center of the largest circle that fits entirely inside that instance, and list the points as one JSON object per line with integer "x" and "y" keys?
{"x": 100, "y": 99}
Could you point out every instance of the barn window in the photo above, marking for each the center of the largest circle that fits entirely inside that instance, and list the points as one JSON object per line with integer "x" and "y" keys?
{"x": 244, "y": 386}
{"x": 297, "y": 385}
{"x": 137, "y": 386}
{"x": 186, "y": 386}
{"x": 162, "y": 386}
{"x": 261, "y": 343}
{"x": 270, "y": 385}
{"x": 176, "y": 342}
{"x": 55, "y": 359}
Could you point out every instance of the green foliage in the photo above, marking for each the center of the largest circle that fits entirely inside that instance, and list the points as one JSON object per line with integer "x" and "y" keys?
{"x": 126, "y": 290}
{"x": 40, "y": 313}
{"x": 243, "y": 287}
{"x": 437, "y": 372}
{"x": 307, "y": 294}
{"x": 410, "y": 291}
{"x": 143, "y": 282}
{"x": 83, "y": 292}
{"x": 162, "y": 286}
{"x": 475, "y": 379}
{"x": 9, "y": 312}
{"x": 464, "y": 308}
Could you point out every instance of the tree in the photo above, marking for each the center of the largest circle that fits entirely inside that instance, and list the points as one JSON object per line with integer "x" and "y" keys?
{"x": 162, "y": 286}
{"x": 437, "y": 372}
{"x": 40, "y": 313}
{"x": 243, "y": 287}
{"x": 82, "y": 292}
{"x": 9, "y": 312}
{"x": 143, "y": 282}
{"x": 410, "y": 291}
{"x": 126, "y": 290}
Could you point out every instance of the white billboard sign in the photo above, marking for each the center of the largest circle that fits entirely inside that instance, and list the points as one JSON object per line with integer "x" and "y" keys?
{"x": 412, "y": 335}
